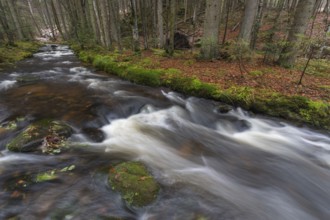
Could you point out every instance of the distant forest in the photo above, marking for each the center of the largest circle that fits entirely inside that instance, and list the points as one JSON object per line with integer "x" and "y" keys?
{"x": 281, "y": 29}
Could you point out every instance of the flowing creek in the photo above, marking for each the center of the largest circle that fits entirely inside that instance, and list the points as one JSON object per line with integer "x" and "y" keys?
{"x": 211, "y": 163}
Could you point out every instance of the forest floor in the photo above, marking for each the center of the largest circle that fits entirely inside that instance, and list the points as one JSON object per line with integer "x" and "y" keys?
{"x": 258, "y": 75}
{"x": 315, "y": 84}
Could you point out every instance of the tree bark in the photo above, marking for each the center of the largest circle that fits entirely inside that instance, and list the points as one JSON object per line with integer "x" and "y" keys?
{"x": 57, "y": 21}
{"x": 257, "y": 24}
{"x": 160, "y": 23}
{"x": 250, "y": 12}
{"x": 5, "y": 25}
{"x": 50, "y": 21}
{"x": 17, "y": 23}
{"x": 33, "y": 18}
{"x": 171, "y": 21}
{"x": 210, "y": 44}
{"x": 98, "y": 22}
{"x": 303, "y": 13}
{"x": 135, "y": 29}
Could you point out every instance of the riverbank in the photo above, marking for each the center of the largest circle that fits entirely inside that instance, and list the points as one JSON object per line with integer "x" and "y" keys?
{"x": 254, "y": 91}
{"x": 9, "y": 55}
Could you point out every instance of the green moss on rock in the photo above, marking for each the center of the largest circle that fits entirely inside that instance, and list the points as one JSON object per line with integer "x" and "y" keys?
{"x": 136, "y": 185}
{"x": 46, "y": 135}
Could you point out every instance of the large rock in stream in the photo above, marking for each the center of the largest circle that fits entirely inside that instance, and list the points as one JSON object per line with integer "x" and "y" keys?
{"x": 47, "y": 136}
{"x": 133, "y": 181}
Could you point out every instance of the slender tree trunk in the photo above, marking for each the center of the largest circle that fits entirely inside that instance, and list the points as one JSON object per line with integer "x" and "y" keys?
{"x": 257, "y": 24}
{"x": 33, "y": 18}
{"x": 50, "y": 21}
{"x": 63, "y": 20}
{"x": 115, "y": 21}
{"x": 226, "y": 21}
{"x": 143, "y": 12}
{"x": 57, "y": 21}
{"x": 185, "y": 10}
{"x": 172, "y": 18}
{"x": 303, "y": 13}
{"x": 306, "y": 65}
{"x": 210, "y": 40}
{"x": 5, "y": 25}
{"x": 98, "y": 23}
{"x": 94, "y": 24}
{"x": 17, "y": 23}
{"x": 135, "y": 29}
{"x": 160, "y": 23}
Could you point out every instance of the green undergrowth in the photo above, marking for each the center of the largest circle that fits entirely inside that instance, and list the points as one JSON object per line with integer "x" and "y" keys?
{"x": 295, "y": 108}
{"x": 21, "y": 50}
{"x": 316, "y": 67}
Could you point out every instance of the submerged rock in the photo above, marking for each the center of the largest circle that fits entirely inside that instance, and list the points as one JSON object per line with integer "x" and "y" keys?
{"x": 11, "y": 125}
{"x": 27, "y": 79}
{"x": 133, "y": 181}
{"x": 47, "y": 136}
{"x": 223, "y": 108}
{"x": 94, "y": 134}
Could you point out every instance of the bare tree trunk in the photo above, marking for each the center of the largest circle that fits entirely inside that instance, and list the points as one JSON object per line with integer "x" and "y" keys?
{"x": 257, "y": 24}
{"x": 303, "y": 13}
{"x": 13, "y": 14}
{"x": 143, "y": 12}
{"x": 251, "y": 8}
{"x": 5, "y": 25}
{"x": 115, "y": 22}
{"x": 63, "y": 20}
{"x": 135, "y": 29}
{"x": 57, "y": 21}
{"x": 98, "y": 22}
{"x": 226, "y": 22}
{"x": 210, "y": 40}
{"x": 172, "y": 18}
{"x": 104, "y": 22}
{"x": 50, "y": 21}
{"x": 33, "y": 18}
{"x": 306, "y": 65}
{"x": 160, "y": 23}
{"x": 94, "y": 24}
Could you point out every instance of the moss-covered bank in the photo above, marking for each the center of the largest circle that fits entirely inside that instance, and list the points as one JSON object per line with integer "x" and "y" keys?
{"x": 296, "y": 108}
{"x": 9, "y": 55}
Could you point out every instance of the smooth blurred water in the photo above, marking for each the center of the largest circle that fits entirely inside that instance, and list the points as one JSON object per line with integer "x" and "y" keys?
{"x": 210, "y": 165}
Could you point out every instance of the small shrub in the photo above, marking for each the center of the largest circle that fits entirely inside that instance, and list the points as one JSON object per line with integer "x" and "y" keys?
{"x": 256, "y": 73}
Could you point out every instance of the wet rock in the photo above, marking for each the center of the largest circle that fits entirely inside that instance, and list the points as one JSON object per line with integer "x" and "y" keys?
{"x": 223, "y": 108}
{"x": 136, "y": 185}
{"x": 53, "y": 46}
{"x": 47, "y": 136}
{"x": 94, "y": 134}
{"x": 11, "y": 125}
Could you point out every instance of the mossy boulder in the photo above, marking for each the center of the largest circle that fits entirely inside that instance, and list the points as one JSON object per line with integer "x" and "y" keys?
{"x": 133, "y": 181}
{"x": 46, "y": 135}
